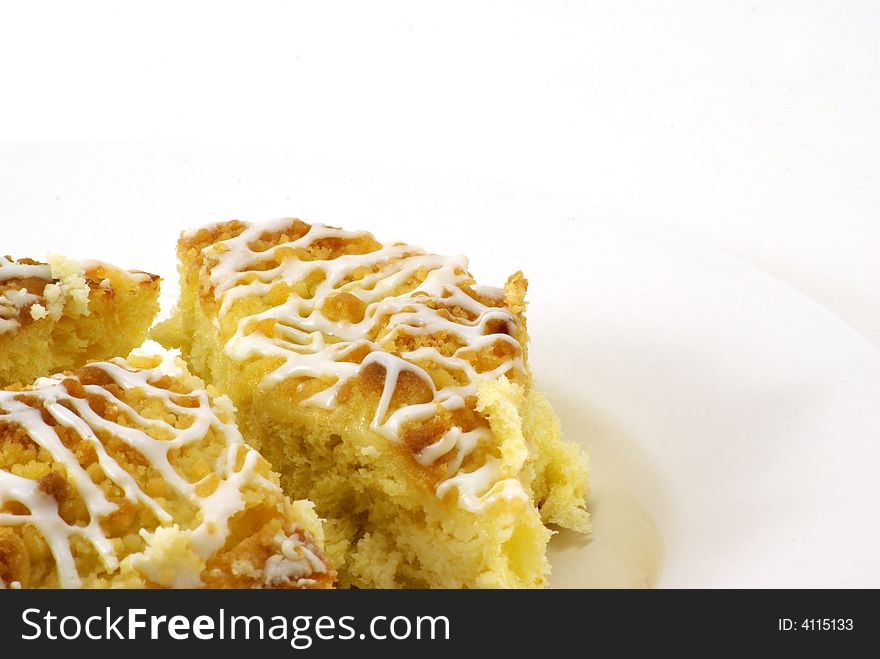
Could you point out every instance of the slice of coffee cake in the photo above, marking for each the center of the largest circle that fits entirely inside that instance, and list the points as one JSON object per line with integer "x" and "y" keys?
{"x": 56, "y": 316}
{"x": 383, "y": 383}
{"x": 129, "y": 474}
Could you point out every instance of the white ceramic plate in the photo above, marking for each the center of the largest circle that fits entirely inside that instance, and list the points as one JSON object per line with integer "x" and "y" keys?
{"x": 728, "y": 411}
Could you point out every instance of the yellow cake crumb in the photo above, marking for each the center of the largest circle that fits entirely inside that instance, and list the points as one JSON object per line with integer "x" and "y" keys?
{"x": 168, "y": 560}
{"x": 38, "y": 311}
{"x": 70, "y": 287}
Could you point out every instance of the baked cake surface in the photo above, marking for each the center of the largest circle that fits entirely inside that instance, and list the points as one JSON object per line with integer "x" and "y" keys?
{"x": 382, "y": 382}
{"x": 56, "y": 316}
{"x": 128, "y": 473}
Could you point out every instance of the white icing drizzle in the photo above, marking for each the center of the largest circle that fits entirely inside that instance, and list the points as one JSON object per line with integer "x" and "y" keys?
{"x": 11, "y": 303}
{"x": 301, "y": 331}
{"x": 50, "y": 396}
{"x": 13, "y": 300}
{"x": 294, "y": 562}
{"x": 9, "y": 269}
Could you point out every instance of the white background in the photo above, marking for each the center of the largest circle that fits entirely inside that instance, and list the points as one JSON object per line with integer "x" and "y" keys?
{"x": 751, "y": 126}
